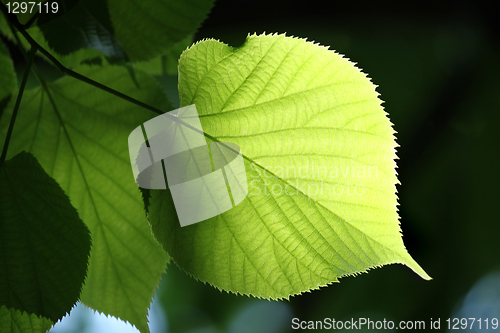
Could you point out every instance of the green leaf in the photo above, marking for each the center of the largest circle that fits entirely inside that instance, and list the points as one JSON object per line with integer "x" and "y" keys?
{"x": 4, "y": 28}
{"x": 167, "y": 63}
{"x": 8, "y": 80}
{"x": 45, "y": 245}
{"x": 319, "y": 154}
{"x": 117, "y": 28}
{"x": 87, "y": 25}
{"x": 79, "y": 134}
{"x": 6, "y": 31}
{"x": 71, "y": 60}
{"x": 15, "y": 321}
{"x": 168, "y": 22}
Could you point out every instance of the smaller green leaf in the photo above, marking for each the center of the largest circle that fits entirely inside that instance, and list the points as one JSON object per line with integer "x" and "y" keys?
{"x": 148, "y": 28}
{"x": 79, "y": 135}
{"x": 15, "y": 321}
{"x": 125, "y": 29}
{"x": 45, "y": 245}
{"x": 71, "y": 60}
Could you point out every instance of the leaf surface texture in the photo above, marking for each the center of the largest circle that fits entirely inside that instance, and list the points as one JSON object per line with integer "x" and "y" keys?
{"x": 319, "y": 155}
{"x": 79, "y": 135}
{"x": 45, "y": 245}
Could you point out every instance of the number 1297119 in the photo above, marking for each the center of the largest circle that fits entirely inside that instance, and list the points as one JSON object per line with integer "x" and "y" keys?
{"x": 464, "y": 323}
{"x": 32, "y": 7}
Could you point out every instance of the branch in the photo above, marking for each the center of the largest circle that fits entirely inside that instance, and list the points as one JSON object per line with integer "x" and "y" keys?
{"x": 31, "y": 57}
{"x": 66, "y": 71}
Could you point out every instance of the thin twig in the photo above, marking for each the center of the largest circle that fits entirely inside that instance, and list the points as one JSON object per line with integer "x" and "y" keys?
{"x": 66, "y": 71}
{"x": 31, "y": 57}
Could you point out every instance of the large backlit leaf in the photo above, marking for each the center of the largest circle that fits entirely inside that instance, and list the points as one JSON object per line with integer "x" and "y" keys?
{"x": 319, "y": 154}
{"x": 79, "y": 135}
{"x": 45, "y": 245}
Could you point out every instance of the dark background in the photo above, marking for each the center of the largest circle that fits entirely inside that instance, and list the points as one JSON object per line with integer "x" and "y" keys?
{"x": 437, "y": 68}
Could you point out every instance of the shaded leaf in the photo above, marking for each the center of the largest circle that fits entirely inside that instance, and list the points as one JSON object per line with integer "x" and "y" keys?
{"x": 6, "y": 31}
{"x": 167, "y": 63}
{"x": 319, "y": 154}
{"x": 15, "y": 321}
{"x": 118, "y": 28}
{"x": 87, "y": 25}
{"x": 8, "y": 80}
{"x": 79, "y": 135}
{"x": 45, "y": 245}
{"x": 4, "y": 28}
{"x": 71, "y": 60}
{"x": 168, "y": 22}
